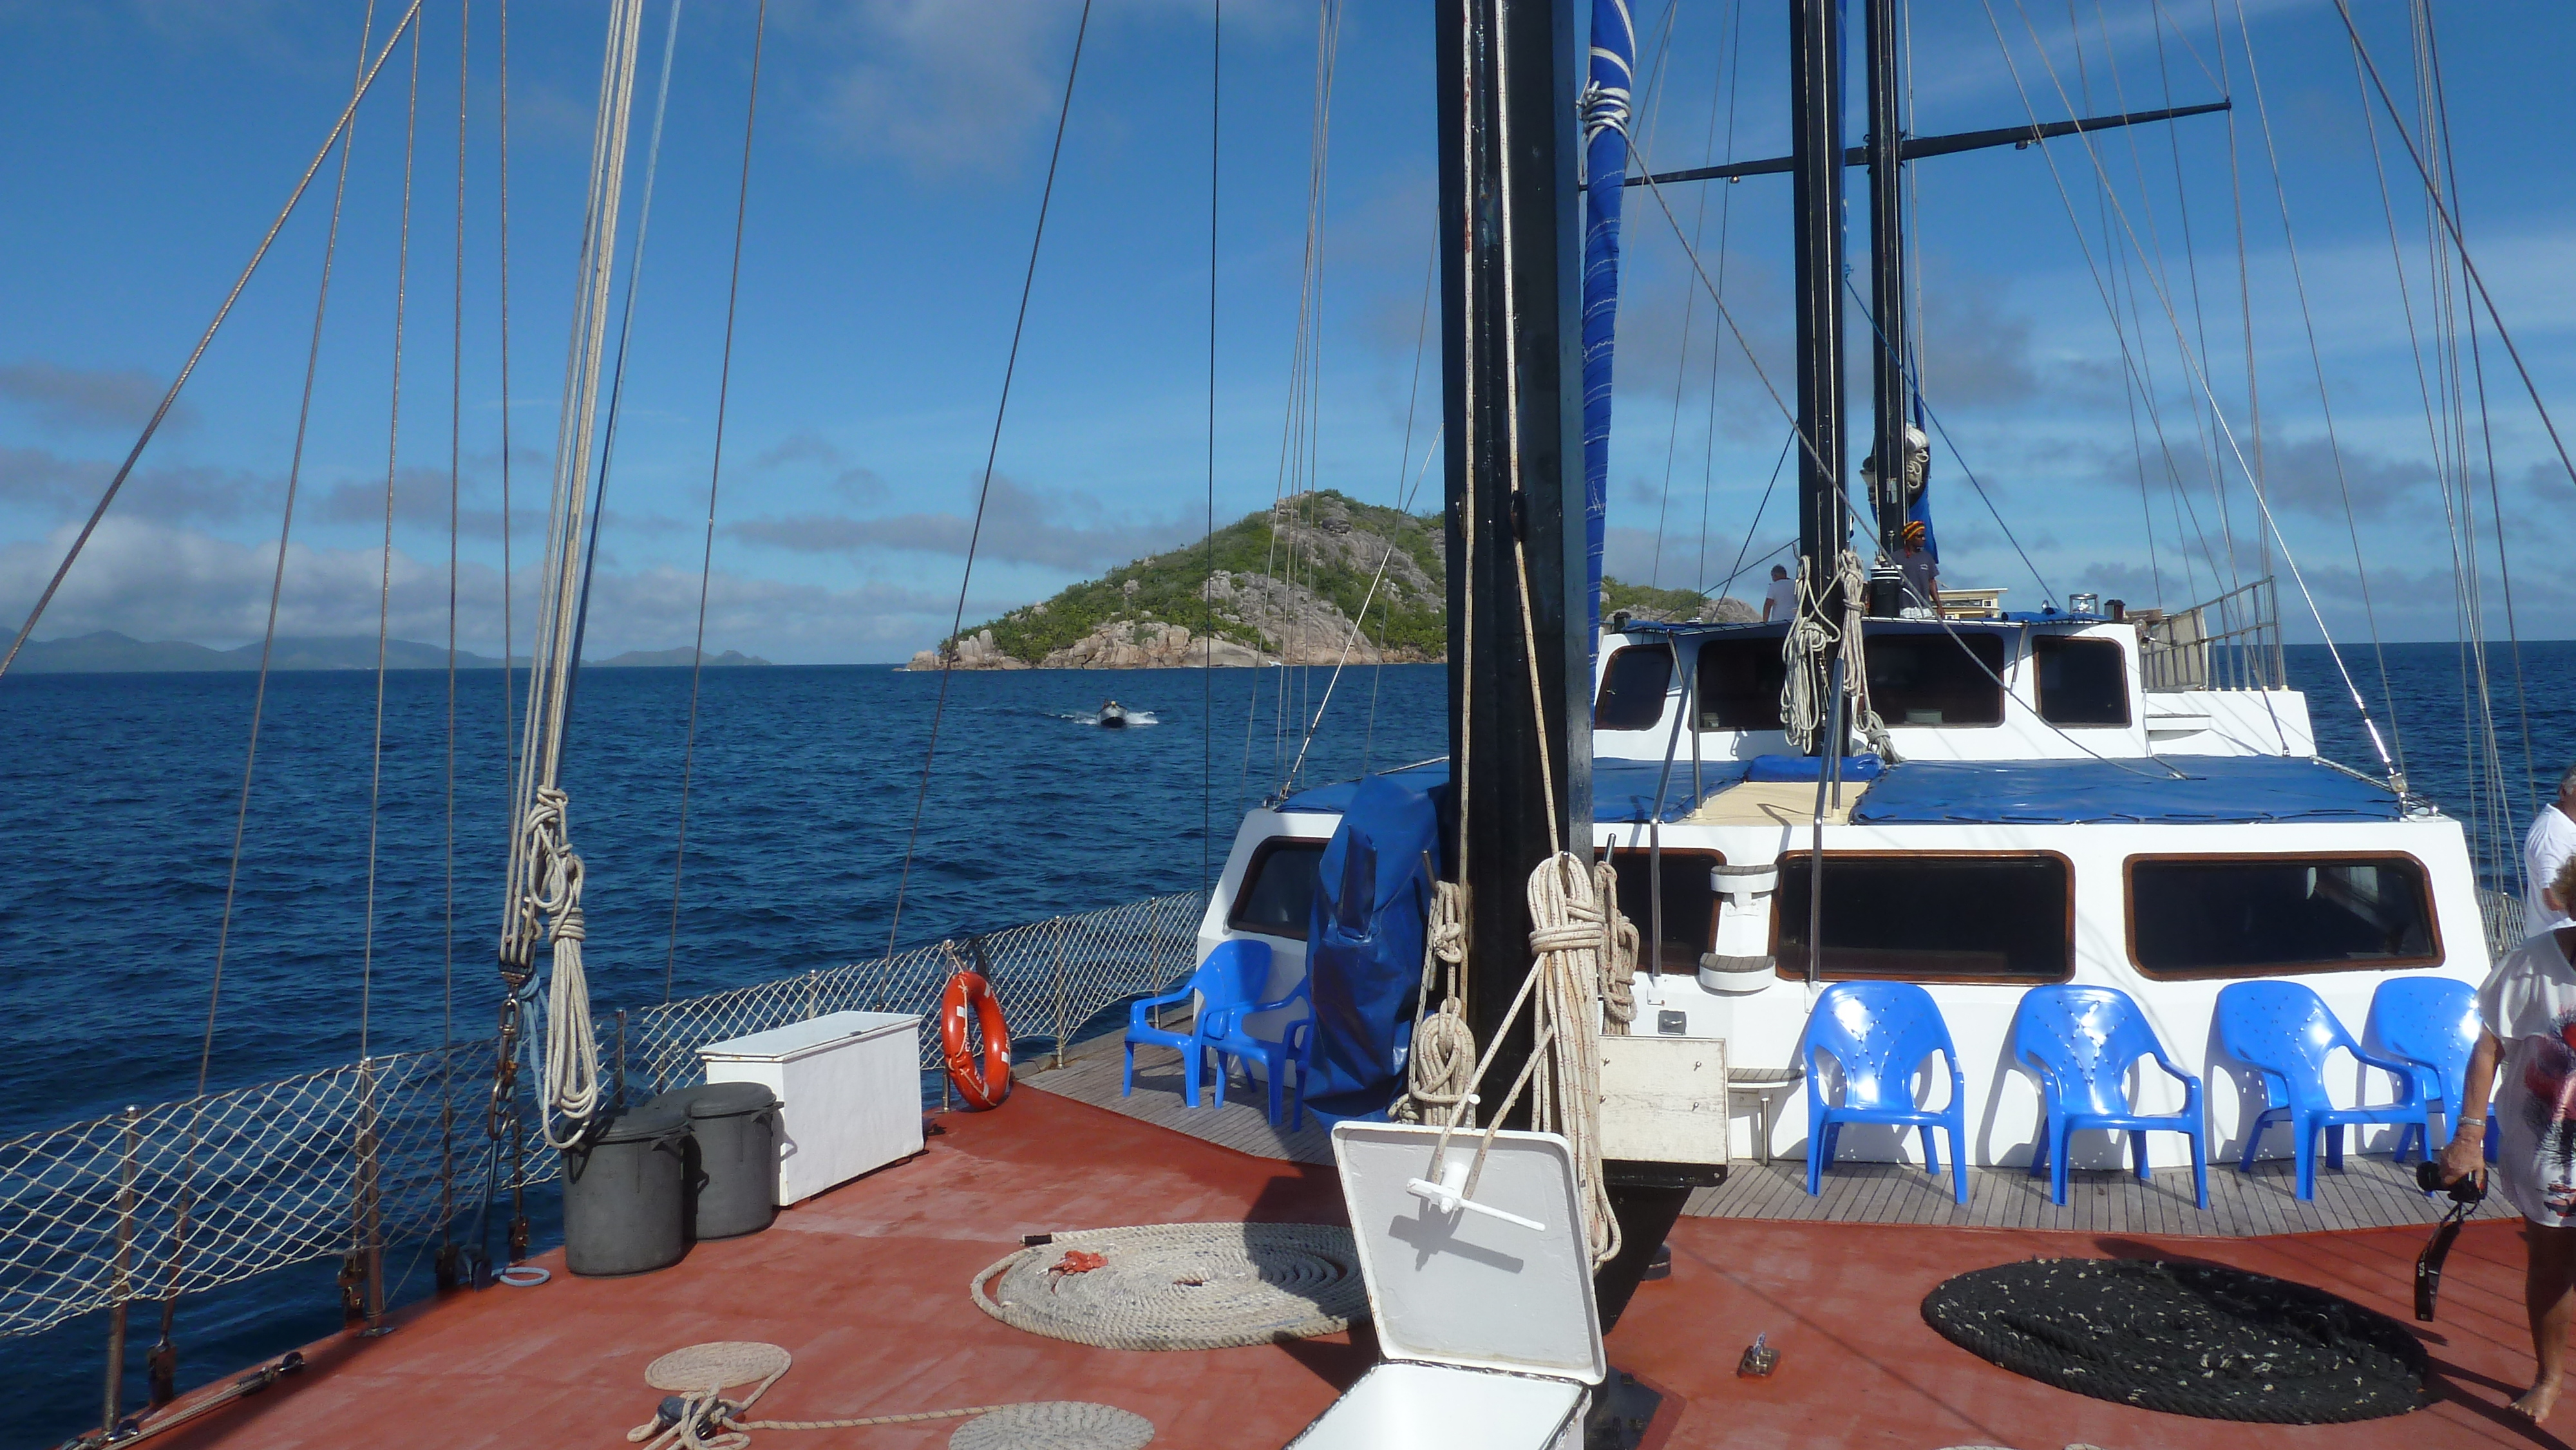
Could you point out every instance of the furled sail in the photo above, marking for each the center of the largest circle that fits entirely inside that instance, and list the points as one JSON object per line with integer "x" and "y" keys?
{"x": 1606, "y": 95}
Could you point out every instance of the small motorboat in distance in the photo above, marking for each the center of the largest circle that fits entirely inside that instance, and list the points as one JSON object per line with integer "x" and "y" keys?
{"x": 1113, "y": 716}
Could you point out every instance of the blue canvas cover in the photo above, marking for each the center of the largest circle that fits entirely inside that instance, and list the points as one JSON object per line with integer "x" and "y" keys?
{"x": 1623, "y": 791}
{"x": 2162, "y": 790}
{"x": 1364, "y": 943}
{"x": 1778, "y": 768}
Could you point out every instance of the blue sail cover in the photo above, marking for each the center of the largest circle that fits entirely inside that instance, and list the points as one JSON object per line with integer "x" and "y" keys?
{"x": 2165, "y": 790}
{"x": 1605, "y": 169}
{"x": 1919, "y": 510}
{"x": 1364, "y": 944}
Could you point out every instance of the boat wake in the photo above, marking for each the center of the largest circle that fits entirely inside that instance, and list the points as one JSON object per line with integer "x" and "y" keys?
{"x": 1093, "y": 717}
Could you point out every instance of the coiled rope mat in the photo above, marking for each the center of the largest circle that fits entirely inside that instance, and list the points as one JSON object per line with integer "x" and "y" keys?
{"x": 2187, "y": 1339}
{"x": 699, "y": 1375}
{"x": 1181, "y": 1285}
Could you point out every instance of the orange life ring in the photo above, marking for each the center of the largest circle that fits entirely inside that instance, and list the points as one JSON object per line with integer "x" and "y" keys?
{"x": 983, "y": 1087}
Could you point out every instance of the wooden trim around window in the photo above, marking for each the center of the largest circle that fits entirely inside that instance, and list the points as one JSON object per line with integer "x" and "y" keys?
{"x": 2252, "y": 970}
{"x": 2007, "y": 979}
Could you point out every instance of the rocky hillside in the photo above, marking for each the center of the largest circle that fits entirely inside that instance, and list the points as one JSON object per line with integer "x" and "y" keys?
{"x": 1286, "y": 584}
{"x": 1285, "y": 587}
{"x": 1671, "y": 606}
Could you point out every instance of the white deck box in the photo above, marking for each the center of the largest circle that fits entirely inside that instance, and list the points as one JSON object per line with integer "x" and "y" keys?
{"x": 849, "y": 1086}
{"x": 1486, "y": 1320}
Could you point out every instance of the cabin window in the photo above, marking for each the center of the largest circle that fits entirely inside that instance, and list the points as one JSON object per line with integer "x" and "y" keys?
{"x": 2081, "y": 681}
{"x": 1739, "y": 683}
{"x": 1278, "y": 893}
{"x": 2248, "y": 916}
{"x": 1937, "y": 679}
{"x": 1690, "y": 903}
{"x": 1930, "y": 917}
{"x": 1632, "y": 688}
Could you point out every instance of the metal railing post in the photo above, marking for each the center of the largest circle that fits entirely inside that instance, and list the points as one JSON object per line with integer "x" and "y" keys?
{"x": 121, "y": 1285}
{"x": 371, "y": 1228}
{"x": 1055, "y": 958}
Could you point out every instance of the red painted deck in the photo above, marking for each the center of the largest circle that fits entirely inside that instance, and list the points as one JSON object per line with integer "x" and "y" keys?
{"x": 867, "y": 1287}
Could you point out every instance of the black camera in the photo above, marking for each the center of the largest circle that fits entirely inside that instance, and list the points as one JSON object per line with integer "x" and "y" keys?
{"x": 2471, "y": 1189}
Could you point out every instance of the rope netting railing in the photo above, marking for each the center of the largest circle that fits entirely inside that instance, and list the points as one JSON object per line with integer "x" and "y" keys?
{"x": 188, "y": 1196}
{"x": 1051, "y": 977}
{"x": 192, "y": 1195}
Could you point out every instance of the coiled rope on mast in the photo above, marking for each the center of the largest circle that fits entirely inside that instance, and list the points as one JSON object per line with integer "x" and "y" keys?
{"x": 545, "y": 874}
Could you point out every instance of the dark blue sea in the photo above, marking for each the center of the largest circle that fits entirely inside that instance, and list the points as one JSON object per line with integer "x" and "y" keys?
{"x": 118, "y": 796}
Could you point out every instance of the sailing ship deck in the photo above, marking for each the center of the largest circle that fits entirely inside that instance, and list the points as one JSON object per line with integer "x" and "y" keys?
{"x": 2371, "y": 1192}
{"x": 866, "y": 1287}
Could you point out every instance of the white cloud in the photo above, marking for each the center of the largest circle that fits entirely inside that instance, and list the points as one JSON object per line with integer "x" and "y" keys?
{"x": 154, "y": 581}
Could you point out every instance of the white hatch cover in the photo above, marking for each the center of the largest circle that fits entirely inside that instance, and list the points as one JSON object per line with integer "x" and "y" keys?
{"x": 796, "y": 1039}
{"x": 1502, "y": 1281}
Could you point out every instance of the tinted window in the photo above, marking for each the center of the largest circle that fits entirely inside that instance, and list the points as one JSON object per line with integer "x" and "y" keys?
{"x": 1278, "y": 894}
{"x": 1739, "y": 683}
{"x": 1937, "y": 679}
{"x": 1931, "y": 918}
{"x": 1632, "y": 688}
{"x": 2081, "y": 681}
{"x": 2252, "y": 916}
{"x": 1690, "y": 905}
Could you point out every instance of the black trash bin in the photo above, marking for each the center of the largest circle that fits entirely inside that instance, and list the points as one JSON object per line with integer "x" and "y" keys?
{"x": 735, "y": 1126}
{"x": 624, "y": 1194}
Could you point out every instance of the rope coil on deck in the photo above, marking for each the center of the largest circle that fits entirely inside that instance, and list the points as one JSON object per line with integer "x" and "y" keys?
{"x": 699, "y": 1418}
{"x": 1181, "y": 1285}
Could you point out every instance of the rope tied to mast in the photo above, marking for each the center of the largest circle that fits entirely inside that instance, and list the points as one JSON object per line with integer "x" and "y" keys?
{"x": 1440, "y": 1071}
{"x": 1578, "y": 990}
{"x": 545, "y": 875}
{"x": 570, "y": 1082}
{"x": 1807, "y": 651}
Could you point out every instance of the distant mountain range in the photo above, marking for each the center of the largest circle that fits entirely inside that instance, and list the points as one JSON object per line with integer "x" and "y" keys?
{"x": 107, "y": 652}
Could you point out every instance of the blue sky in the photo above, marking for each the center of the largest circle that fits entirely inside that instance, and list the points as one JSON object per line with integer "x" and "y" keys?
{"x": 895, "y": 178}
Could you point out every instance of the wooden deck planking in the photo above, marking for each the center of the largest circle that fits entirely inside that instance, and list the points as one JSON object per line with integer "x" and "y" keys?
{"x": 2371, "y": 1192}
{"x": 1243, "y": 1124}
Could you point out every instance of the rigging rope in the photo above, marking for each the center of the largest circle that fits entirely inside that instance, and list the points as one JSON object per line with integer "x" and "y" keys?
{"x": 2200, "y": 378}
{"x": 984, "y": 492}
{"x": 545, "y": 876}
{"x": 715, "y": 473}
{"x": 170, "y": 398}
{"x": 385, "y": 561}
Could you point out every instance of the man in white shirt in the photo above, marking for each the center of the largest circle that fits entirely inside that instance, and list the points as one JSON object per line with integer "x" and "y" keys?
{"x": 2551, "y": 841}
{"x": 1780, "y": 601}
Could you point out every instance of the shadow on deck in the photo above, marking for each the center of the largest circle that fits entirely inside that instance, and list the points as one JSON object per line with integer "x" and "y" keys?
{"x": 2371, "y": 1192}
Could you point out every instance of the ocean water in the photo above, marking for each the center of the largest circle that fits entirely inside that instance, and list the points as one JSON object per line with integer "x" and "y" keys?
{"x": 118, "y": 796}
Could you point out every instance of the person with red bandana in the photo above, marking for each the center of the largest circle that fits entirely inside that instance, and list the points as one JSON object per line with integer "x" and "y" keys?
{"x": 2527, "y": 1008}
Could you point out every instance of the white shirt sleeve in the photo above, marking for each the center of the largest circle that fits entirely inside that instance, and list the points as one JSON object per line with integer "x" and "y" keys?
{"x": 2544, "y": 851}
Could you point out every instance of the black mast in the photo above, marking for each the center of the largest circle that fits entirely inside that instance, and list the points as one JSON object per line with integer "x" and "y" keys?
{"x": 1816, "y": 213}
{"x": 1886, "y": 304}
{"x": 1511, "y": 367}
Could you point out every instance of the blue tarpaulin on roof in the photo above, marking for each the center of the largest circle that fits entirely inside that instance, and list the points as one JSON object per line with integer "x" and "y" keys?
{"x": 2163, "y": 790}
{"x": 1364, "y": 943}
{"x": 1622, "y": 790}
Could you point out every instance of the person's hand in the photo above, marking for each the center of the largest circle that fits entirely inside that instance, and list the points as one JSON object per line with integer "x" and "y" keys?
{"x": 2466, "y": 1155}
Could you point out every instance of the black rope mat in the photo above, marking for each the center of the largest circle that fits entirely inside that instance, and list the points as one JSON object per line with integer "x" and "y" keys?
{"x": 2187, "y": 1339}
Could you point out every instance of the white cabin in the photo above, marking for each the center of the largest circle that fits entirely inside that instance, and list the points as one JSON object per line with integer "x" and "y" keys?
{"x": 2049, "y": 819}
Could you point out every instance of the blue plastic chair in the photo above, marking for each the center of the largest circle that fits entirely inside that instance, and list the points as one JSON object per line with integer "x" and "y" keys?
{"x": 1233, "y": 974}
{"x": 2283, "y": 1030}
{"x": 2081, "y": 1042}
{"x": 1231, "y": 1036}
{"x": 1879, "y": 1033}
{"x": 2432, "y": 1024}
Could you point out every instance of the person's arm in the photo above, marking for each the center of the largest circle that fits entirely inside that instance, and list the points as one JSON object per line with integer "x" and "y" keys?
{"x": 2467, "y": 1154}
